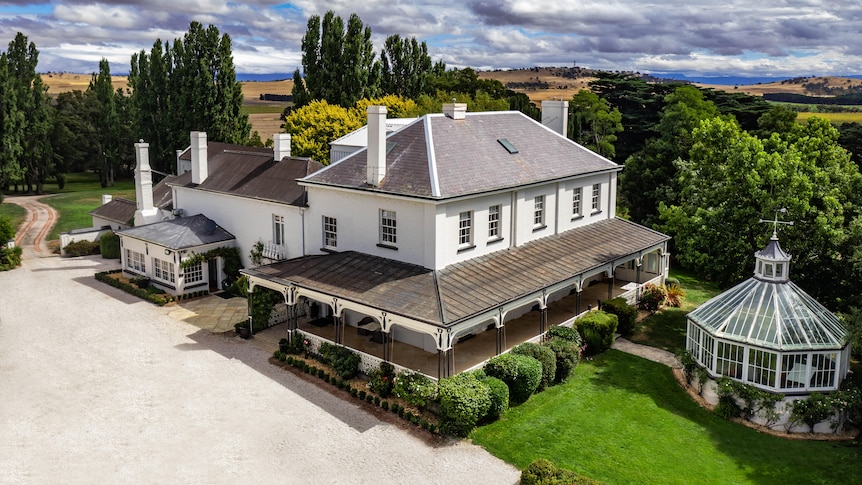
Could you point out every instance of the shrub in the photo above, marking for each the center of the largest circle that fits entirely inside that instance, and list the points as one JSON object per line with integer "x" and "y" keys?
{"x": 565, "y": 333}
{"x": 521, "y": 373}
{"x": 7, "y": 232}
{"x": 362, "y": 394}
{"x": 652, "y": 296}
{"x": 674, "y": 294}
{"x": 381, "y": 380}
{"x": 384, "y": 405}
{"x": 499, "y": 394}
{"x": 344, "y": 361}
{"x": 689, "y": 365}
{"x": 545, "y": 356}
{"x": 727, "y": 407}
{"x": 10, "y": 258}
{"x": 597, "y": 330}
{"x": 811, "y": 411}
{"x": 109, "y": 245}
{"x": 543, "y": 472}
{"x": 567, "y": 354}
{"x": 81, "y": 248}
{"x": 296, "y": 344}
{"x": 463, "y": 402}
{"x": 627, "y": 315}
{"x": 415, "y": 388}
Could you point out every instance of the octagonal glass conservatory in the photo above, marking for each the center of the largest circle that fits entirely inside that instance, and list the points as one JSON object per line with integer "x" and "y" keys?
{"x": 769, "y": 333}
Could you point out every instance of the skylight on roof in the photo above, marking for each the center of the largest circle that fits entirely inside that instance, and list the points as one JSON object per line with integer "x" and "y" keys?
{"x": 507, "y": 145}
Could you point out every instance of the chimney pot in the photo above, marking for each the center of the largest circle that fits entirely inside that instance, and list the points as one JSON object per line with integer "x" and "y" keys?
{"x": 456, "y": 111}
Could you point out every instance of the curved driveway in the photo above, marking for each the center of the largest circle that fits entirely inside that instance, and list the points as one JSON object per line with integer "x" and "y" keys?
{"x": 100, "y": 387}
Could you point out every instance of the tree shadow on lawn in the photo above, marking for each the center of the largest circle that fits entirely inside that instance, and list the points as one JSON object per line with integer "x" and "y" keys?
{"x": 762, "y": 458}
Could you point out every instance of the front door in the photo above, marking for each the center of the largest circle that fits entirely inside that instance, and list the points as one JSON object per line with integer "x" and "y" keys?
{"x": 212, "y": 266}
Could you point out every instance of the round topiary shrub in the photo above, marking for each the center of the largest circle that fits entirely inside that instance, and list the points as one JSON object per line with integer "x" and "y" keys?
{"x": 567, "y": 354}
{"x": 521, "y": 373}
{"x": 545, "y": 356}
{"x": 597, "y": 330}
{"x": 499, "y": 398}
{"x": 415, "y": 388}
{"x": 565, "y": 333}
{"x": 464, "y": 400}
{"x": 627, "y": 315}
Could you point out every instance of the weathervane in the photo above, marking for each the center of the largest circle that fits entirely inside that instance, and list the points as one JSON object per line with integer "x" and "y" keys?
{"x": 775, "y": 222}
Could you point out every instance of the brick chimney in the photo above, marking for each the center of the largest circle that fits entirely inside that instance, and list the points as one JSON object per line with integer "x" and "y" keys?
{"x": 555, "y": 115}
{"x": 199, "y": 157}
{"x": 145, "y": 213}
{"x": 376, "y": 144}
{"x": 280, "y": 146}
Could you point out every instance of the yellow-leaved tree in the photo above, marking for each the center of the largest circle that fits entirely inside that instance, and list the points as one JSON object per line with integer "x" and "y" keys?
{"x": 316, "y": 124}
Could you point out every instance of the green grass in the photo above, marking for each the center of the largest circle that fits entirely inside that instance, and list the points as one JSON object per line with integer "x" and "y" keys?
{"x": 253, "y": 109}
{"x": 15, "y": 213}
{"x": 666, "y": 329}
{"x": 622, "y": 419}
{"x": 836, "y": 118}
{"x": 82, "y": 194}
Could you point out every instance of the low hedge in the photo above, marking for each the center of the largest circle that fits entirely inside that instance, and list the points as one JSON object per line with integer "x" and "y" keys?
{"x": 464, "y": 400}
{"x": 545, "y": 356}
{"x": 566, "y": 333}
{"x": 521, "y": 373}
{"x": 597, "y": 330}
{"x": 81, "y": 248}
{"x": 153, "y": 296}
{"x": 627, "y": 315}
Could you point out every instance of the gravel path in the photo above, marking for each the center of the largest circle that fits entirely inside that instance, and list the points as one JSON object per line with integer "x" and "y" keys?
{"x": 100, "y": 387}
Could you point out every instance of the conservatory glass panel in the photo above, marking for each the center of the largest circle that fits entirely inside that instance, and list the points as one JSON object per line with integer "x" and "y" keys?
{"x": 729, "y": 359}
{"x": 761, "y": 367}
{"x": 823, "y": 369}
{"x": 794, "y": 371}
{"x": 693, "y": 341}
{"x": 708, "y": 345}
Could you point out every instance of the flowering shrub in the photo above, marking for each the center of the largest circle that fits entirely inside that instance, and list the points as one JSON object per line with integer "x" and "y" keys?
{"x": 415, "y": 388}
{"x": 652, "y": 296}
{"x": 381, "y": 380}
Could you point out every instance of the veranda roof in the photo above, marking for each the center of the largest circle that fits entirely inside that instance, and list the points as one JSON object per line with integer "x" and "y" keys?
{"x": 773, "y": 315}
{"x": 462, "y": 290}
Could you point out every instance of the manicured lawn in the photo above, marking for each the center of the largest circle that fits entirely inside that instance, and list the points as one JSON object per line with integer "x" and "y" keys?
{"x": 15, "y": 213}
{"x": 622, "y": 419}
{"x": 82, "y": 194}
{"x": 666, "y": 329}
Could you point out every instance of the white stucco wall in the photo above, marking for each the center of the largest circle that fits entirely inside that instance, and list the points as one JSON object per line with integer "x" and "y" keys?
{"x": 357, "y": 217}
{"x": 448, "y": 249}
{"x": 249, "y": 220}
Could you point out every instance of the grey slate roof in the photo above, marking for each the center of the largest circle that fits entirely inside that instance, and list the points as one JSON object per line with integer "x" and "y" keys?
{"x": 119, "y": 210}
{"x": 459, "y": 291}
{"x": 252, "y": 172}
{"x": 180, "y": 233}
{"x": 438, "y": 157}
{"x": 122, "y": 211}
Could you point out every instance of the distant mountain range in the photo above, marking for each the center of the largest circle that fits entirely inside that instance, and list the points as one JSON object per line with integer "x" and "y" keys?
{"x": 731, "y": 80}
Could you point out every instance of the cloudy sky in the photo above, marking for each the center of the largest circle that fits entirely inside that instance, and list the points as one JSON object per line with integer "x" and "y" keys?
{"x": 695, "y": 37}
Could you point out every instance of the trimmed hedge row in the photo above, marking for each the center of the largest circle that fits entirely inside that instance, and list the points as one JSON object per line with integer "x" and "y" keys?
{"x": 109, "y": 245}
{"x": 543, "y": 472}
{"x": 153, "y": 296}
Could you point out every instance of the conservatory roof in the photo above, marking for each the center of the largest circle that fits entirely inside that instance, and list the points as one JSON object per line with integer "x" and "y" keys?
{"x": 772, "y": 315}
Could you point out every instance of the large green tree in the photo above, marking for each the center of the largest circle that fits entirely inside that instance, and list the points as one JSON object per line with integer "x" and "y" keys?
{"x": 107, "y": 123}
{"x": 650, "y": 175}
{"x": 405, "y": 66}
{"x": 593, "y": 123}
{"x": 188, "y": 86}
{"x": 733, "y": 179}
{"x": 31, "y": 115}
{"x": 338, "y": 64}
{"x": 11, "y": 127}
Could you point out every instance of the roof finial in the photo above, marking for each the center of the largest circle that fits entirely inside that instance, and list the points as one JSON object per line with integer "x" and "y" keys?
{"x": 775, "y": 222}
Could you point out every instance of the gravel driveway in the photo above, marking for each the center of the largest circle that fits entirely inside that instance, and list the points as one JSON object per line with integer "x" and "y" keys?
{"x": 97, "y": 386}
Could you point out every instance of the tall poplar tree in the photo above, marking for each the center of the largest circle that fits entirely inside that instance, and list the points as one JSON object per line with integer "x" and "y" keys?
{"x": 188, "y": 86}
{"x": 405, "y": 66}
{"x": 106, "y": 123}
{"x": 339, "y": 66}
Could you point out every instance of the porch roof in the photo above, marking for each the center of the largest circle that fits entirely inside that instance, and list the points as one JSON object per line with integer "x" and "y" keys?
{"x": 180, "y": 233}
{"x": 459, "y": 291}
